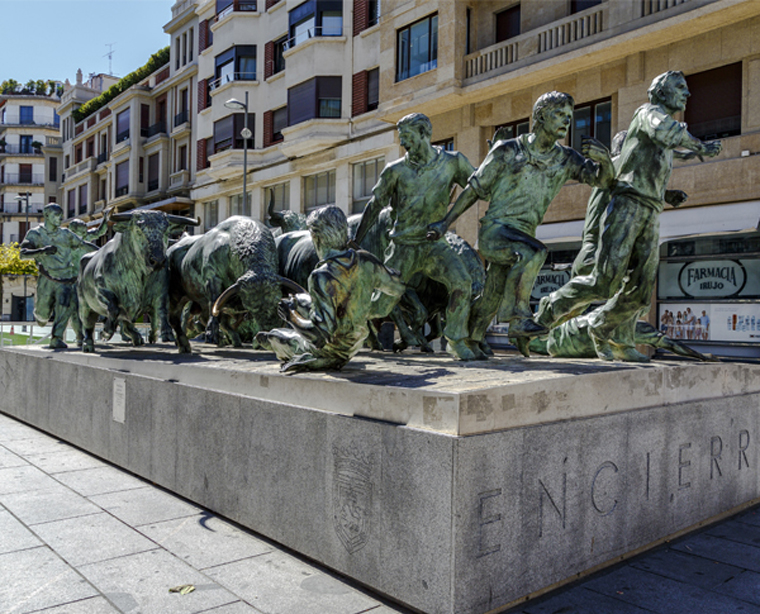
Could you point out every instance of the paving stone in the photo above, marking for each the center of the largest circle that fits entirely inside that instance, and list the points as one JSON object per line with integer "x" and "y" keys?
{"x": 736, "y": 531}
{"x": 89, "y": 539}
{"x": 141, "y": 583}
{"x": 745, "y": 586}
{"x": 93, "y": 605}
{"x": 37, "y": 578}
{"x": 11, "y": 429}
{"x": 695, "y": 570}
{"x": 54, "y": 503}
{"x": 14, "y": 535}
{"x": 38, "y": 444}
{"x": 577, "y": 600}
{"x": 64, "y": 460}
{"x": 751, "y": 516}
{"x": 99, "y": 480}
{"x": 205, "y": 540}
{"x": 239, "y": 607}
{"x": 276, "y": 583}
{"x": 721, "y": 550}
{"x": 145, "y": 505}
{"x": 384, "y": 609}
{"x": 10, "y": 459}
{"x": 665, "y": 596}
{"x": 23, "y": 479}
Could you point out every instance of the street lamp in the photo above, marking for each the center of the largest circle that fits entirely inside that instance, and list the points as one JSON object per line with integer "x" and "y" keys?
{"x": 25, "y": 197}
{"x": 246, "y": 134}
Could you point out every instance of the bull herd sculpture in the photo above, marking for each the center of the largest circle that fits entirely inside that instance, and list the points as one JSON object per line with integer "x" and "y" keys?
{"x": 243, "y": 281}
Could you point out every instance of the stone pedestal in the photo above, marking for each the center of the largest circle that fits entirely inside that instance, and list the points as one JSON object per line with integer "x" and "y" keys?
{"x": 453, "y": 488}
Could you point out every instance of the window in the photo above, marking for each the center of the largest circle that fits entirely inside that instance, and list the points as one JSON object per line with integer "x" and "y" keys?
{"x": 182, "y": 158}
{"x": 176, "y": 53}
{"x": 53, "y": 169}
{"x": 319, "y": 190}
{"x": 592, "y": 119}
{"x": 445, "y": 144}
{"x": 714, "y": 109}
{"x": 315, "y": 18}
{"x": 122, "y": 178}
{"x": 122, "y": 126}
{"x": 25, "y": 144}
{"x": 26, "y": 115}
{"x": 190, "y": 45}
{"x": 514, "y": 129}
{"x": 317, "y": 97}
{"x": 141, "y": 169}
{"x": 373, "y": 89}
{"x": 236, "y": 64}
{"x": 71, "y": 203}
{"x": 82, "y": 199}
{"x": 417, "y": 48}
{"x": 183, "y": 106}
{"x": 279, "y": 121}
{"x": 237, "y": 207}
{"x": 508, "y": 24}
{"x": 279, "y": 62}
{"x": 278, "y": 195}
{"x": 153, "y": 172}
{"x": 78, "y": 153}
{"x": 374, "y": 12}
{"x": 227, "y": 132}
{"x": 576, "y": 6}
{"x": 25, "y": 173}
{"x": 210, "y": 214}
{"x": 365, "y": 178}
{"x": 90, "y": 145}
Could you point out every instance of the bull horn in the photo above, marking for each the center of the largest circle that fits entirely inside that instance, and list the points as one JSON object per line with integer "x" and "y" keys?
{"x": 224, "y": 297}
{"x": 181, "y": 219}
{"x": 291, "y": 285}
{"x": 121, "y": 217}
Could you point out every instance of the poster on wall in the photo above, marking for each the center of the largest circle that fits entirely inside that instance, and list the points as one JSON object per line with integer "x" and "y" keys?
{"x": 694, "y": 321}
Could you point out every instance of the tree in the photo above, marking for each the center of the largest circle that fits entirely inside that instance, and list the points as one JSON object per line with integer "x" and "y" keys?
{"x": 9, "y": 86}
{"x": 12, "y": 264}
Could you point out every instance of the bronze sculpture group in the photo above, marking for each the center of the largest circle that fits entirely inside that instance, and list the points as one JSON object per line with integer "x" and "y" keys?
{"x": 231, "y": 279}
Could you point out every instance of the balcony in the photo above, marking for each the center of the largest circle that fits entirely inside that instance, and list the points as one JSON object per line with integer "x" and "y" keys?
{"x": 23, "y": 179}
{"x": 22, "y": 150}
{"x": 15, "y": 207}
{"x": 246, "y": 6}
{"x": 122, "y": 191}
{"x": 102, "y": 157}
{"x": 157, "y": 128}
{"x": 122, "y": 136}
{"x": 313, "y": 32}
{"x": 179, "y": 180}
{"x": 152, "y": 185}
{"x": 181, "y": 118}
{"x": 16, "y": 120}
{"x": 230, "y": 78}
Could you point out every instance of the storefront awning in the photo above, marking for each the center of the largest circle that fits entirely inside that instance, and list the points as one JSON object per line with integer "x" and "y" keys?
{"x": 674, "y": 223}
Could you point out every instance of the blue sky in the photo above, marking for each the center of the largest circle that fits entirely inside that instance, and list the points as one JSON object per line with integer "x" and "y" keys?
{"x": 50, "y": 39}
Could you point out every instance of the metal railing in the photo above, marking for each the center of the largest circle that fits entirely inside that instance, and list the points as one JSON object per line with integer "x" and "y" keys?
{"x": 157, "y": 128}
{"x": 23, "y": 179}
{"x": 229, "y": 78}
{"x": 248, "y": 6}
{"x": 181, "y": 117}
{"x": 15, "y": 207}
{"x": 122, "y": 136}
{"x": 314, "y": 32}
{"x": 152, "y": 185}
{"x": 16, "y": 120}
{"x": 102, "y": 157}
{"x": 122, "y": 191}
{"x": 12, "y": 148}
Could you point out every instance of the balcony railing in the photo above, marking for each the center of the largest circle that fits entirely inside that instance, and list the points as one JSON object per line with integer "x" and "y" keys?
{"x": 313, "y": 32}
{"x": 649, "y": 7}
{"x": 229, "y": 78}
{"x": 157, "y": 128}
{"x": 570, "y": 30}
{"x": 181, "y": 118}
{"x": 122, "y": 136}
{"x": 23, "y": 179}
{"x": 248, "y": 6}
{"x": 14, "y": 207}
{"x": 19, "y": 149}
{"x": 17, "y": 120}
{"x": 152, "y": 185}
{"x": 102, "y": 157}
{"x": 122, "y": 191}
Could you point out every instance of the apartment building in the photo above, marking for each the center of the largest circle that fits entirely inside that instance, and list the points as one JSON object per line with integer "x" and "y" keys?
{"x": 29, "y": 161}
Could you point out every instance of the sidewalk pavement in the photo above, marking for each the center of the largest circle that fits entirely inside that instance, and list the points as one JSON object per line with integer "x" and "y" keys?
{"x": 79, "y": 536}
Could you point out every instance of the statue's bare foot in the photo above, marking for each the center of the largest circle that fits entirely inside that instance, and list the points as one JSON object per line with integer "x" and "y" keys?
{"x": 485, "y": 348}
{"x": 522, "y": 344}
{"x": 601, "y": 346}
{"x": 628, "y": 354}
{"x": 57, "y": 344}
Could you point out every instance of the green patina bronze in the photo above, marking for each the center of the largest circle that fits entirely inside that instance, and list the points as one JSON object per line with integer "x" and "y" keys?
{"x": 625, "y": 256}
{"x": 418, "y": 187}
{"x": 57, "y": 252}
{"x": 519, "y": 178}
{"x": 329, "y": 324}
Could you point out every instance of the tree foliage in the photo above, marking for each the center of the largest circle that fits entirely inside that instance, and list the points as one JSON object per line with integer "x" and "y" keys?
{"x": 38, "y": 87}
{"x": 156, "y": 61}
{"x": 11, "y": 262}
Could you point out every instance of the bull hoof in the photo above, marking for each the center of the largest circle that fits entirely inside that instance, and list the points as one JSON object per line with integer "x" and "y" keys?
{"x": 399, "y": 346}
{"x": 88, "y": 347}
{"x": 167, "y": 337}
{"x": 57, "y": 344}
{"x": 137, "y": 341}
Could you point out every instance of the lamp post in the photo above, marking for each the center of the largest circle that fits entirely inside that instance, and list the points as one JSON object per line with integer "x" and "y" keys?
{"x": 25, "y": 197}
{"x": 246, "y": 133}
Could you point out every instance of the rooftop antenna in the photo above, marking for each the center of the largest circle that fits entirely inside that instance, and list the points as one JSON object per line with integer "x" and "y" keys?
{"x": 110, "y": 57}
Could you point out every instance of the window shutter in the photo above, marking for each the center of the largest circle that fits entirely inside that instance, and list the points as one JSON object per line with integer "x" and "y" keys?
{"x": 361, "y": 16}
{"x": 201, "y": 154}
{"x": 202, "y": 94}
{"x": 302, "y": 102}
{"x": 359, "y": 93}
{"x": 268, "y": 128}
{"x": 268, "y": 59}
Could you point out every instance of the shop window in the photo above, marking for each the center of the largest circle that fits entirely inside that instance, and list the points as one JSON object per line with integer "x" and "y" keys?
{"x": 508, "y": 23}
{"x": 592, "y": 119}
{"x": 714, "y": 109}
{"x": 210, "y": 214}
{"x": 365, "y": 175}
{"x": 317, "y": 97}
{"x": 417, "y": 48}
{"x": 319, "y": 190}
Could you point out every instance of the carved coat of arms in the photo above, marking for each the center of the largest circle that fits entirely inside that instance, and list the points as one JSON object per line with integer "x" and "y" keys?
{"x": 352, "y": 497}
